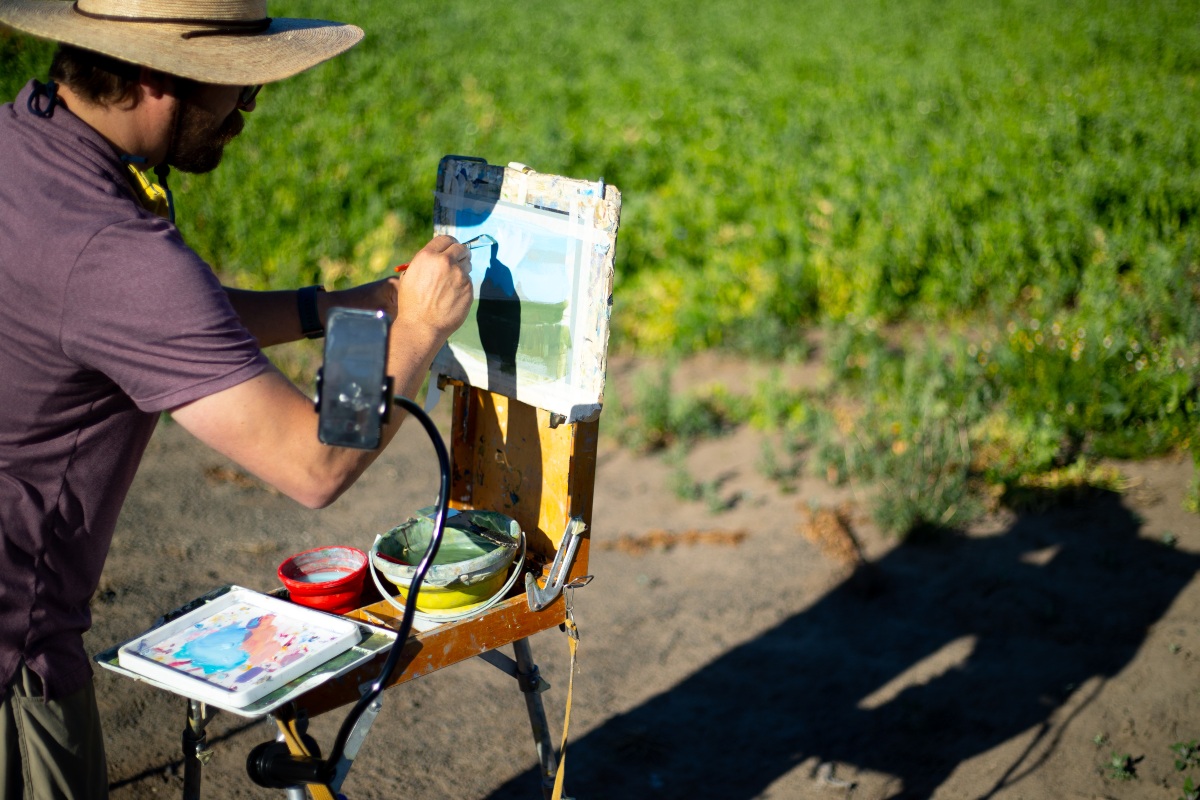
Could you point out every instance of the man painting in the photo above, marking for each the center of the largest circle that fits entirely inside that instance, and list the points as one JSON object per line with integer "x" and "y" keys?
{"x": 109, "y": 319}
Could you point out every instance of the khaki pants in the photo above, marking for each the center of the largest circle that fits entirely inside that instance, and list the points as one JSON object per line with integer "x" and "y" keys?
{"x": 50, "y": 750}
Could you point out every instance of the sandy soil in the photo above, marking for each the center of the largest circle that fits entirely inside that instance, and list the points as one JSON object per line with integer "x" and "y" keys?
{"x": 781, "y": 648}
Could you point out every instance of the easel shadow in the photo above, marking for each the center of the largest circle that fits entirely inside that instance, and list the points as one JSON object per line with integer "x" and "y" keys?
{"x": 1057, "y": 599}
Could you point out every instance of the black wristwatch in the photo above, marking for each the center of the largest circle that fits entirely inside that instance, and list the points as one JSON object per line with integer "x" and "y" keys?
{"x": 310, "y": 320}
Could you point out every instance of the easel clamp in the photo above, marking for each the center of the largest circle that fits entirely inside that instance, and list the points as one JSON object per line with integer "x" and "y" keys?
{"x": 540, "y": 597}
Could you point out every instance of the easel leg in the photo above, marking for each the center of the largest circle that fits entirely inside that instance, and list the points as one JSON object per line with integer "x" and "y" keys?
{"x": 194, "y": 752}
{"x": 529, "y": 681}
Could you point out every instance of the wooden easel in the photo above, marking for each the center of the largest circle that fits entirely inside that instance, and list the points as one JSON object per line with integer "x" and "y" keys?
{"x": 504, "y": 454}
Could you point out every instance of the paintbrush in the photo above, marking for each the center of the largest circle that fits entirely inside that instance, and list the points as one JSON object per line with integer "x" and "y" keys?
{"x": 482, "y": 240}
{"x": 495, "y": 537}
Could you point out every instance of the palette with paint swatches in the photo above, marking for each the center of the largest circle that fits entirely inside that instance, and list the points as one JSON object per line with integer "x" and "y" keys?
{"x": 237, "y": 648}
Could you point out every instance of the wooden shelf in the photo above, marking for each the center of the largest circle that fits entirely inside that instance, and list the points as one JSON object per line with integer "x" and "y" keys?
{"x": 427, "y": 652}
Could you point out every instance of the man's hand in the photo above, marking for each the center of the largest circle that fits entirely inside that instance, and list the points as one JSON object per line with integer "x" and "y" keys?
{"x": 438, "y": 298}
{"x": 435, "y": 291}
{"x": 428, "y": 302}
{"x": 433, "y": 297}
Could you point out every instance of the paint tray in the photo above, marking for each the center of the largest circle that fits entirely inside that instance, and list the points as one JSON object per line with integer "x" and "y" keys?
{"x": 237, "y": 648}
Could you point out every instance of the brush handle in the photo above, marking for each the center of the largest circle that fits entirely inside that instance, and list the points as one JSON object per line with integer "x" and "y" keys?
{"x": 482, "y": 240}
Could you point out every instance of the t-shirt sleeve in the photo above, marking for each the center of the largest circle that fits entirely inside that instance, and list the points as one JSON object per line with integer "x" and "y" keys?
{"x": 145, "y": 310}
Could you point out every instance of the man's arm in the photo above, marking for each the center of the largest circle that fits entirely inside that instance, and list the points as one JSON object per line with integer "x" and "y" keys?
{"x": 273, "y": 317}
{"x": 269, "y": 427}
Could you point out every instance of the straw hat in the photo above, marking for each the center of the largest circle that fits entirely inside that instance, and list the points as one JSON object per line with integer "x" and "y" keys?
{"x": 214, "y": 41}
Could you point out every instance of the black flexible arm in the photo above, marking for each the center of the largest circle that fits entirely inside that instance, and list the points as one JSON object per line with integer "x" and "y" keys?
{"x": 410, "y": 605}
{"x": 274, "y": 768}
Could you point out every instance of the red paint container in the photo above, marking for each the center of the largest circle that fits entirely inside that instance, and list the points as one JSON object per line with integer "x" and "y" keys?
{"x": 327, "y": 578}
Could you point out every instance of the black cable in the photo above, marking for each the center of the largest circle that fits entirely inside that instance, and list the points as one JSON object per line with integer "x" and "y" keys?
{"x": 410, "y": 605}
{"x": 268, "y": 766}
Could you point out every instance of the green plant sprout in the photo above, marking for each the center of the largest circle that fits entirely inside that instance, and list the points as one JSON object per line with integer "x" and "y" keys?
{"x": 685, "y": 487}
{"x": 1187, "y": 754}
{"x": 1121, "y": 767}
{"x": 784, "y": 474}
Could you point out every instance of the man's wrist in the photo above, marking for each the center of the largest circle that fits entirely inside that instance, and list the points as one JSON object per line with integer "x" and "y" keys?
{"x": 310, "y": 317}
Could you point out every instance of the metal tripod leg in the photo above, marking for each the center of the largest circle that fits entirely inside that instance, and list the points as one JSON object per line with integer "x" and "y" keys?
{"x": 195, "y": 752}
{"x": 532, "y": 685}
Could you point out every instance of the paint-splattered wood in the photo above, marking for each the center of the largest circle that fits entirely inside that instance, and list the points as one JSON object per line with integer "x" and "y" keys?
{"x": 430, "y": 651}
{"x": 600, "y": 203}
{"x": 507, "y": 458}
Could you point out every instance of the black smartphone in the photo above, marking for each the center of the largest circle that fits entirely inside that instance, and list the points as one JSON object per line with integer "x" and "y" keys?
{"x": 353, "y": 389}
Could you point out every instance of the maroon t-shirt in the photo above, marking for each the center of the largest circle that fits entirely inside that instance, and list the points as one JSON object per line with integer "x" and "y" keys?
{"x": 106, "y": 319}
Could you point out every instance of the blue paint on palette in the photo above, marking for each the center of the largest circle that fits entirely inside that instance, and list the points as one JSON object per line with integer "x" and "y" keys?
{"x": 218, "y": 651}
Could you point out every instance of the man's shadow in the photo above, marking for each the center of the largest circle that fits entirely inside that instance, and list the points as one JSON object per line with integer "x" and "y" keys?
{"x": 1056, "y": 600}
{"x": 498, "y": 317}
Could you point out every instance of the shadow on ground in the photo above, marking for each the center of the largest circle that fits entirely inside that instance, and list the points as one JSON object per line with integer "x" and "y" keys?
{"x": 1035, "y": 611}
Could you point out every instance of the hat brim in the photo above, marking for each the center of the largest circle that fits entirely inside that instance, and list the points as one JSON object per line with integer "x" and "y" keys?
{"x": 287, "y": 47}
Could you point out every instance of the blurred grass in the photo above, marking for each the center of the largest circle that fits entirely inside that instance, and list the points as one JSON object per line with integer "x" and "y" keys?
{"x": 1019, "y": 176}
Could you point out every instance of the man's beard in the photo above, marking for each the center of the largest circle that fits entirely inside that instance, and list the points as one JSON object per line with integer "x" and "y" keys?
{"x": 200, "y": 138}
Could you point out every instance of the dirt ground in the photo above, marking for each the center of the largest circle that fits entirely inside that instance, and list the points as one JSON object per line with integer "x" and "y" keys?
{"x": 771, "y": 650}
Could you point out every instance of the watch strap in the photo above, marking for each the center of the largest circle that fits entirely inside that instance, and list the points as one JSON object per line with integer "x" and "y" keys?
{"x": 306, "y": 305}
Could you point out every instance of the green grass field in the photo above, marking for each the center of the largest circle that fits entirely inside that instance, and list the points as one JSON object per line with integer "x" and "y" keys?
{"x": 1020, "y": 179}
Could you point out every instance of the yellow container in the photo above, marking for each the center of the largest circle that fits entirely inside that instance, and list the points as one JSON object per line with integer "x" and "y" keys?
{"x": 442, "y": 598}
